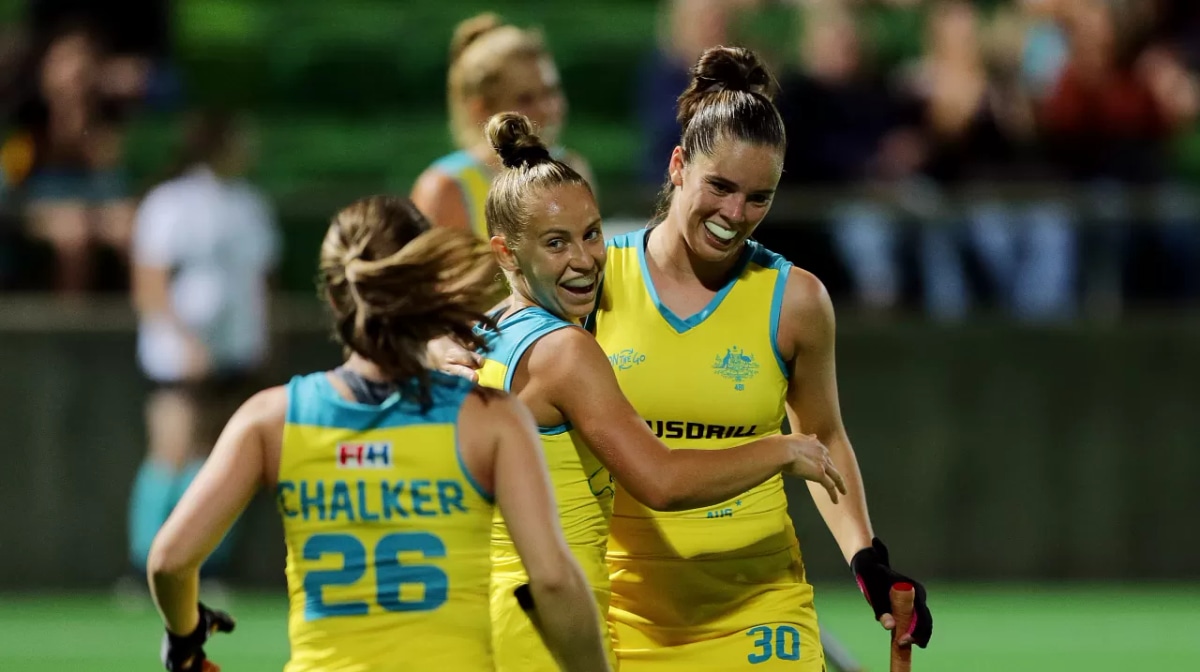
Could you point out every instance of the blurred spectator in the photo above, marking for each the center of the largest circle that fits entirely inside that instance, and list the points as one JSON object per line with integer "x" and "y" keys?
{"x": 1177, "y": 25}
{"x": 65, "y": 154}
{"x": 1043, "y": 46}
{"x": 686, "y": 29}
{"x": 1108, "y": 123}
{"x": 205, "y": 244}
{"x": 846, "y": 127}
{"x": 1110, "y": 113}
{"x": 979, "y": 128}
{"x": 137, "y": 40}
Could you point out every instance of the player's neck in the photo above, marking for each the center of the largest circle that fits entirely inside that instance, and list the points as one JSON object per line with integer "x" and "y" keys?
{"x": 669, "y": 253}
{"x": 522, "y": 300}
{"x": 364, "y": 367}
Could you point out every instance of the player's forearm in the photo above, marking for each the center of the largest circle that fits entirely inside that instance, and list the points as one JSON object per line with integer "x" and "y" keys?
{"x": 693, "y": 479}
{"x": 565, "y": 615}
{"x": 847, "y": 520}
{"x": 176, "y": 596}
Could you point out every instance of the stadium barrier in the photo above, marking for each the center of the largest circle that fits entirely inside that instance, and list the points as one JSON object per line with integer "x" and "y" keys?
{"x": 990, "y": 450}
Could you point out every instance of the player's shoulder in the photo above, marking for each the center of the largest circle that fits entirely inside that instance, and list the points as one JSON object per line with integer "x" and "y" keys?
{"x": 571, "y": 343}
{"x": 567, "y": 337}
{"x": 805, "y": 293}
{"x": 439, "y": 197}
{"x": 265, "y": 411}
{"x": 515, "y": 333}
{"x": 453, "y": 163}
{"x": 488, "y": 406}
{"x": 806, "y": 316}
{"x": 267, "y": 401}
{"x": 435, "y": 180}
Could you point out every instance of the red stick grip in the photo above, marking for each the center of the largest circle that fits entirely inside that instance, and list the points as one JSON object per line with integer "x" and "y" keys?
{"x": 902, "y": 595}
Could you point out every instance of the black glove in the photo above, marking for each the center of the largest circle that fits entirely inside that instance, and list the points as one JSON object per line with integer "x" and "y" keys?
{"x": 876, "y": 578}
{"x": 185, "y": 653}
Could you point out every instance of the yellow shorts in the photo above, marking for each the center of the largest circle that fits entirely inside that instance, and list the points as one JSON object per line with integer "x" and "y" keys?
{"x": 753, "y": 613}
{"x": 516, "y": 644}
{"x": 779, "y": 646}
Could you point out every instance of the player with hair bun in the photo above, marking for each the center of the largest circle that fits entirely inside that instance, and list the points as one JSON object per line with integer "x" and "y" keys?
{"x": 494, "y": 67}
{"x": 744, "y": 338}
{"x": 384, "y": 474}
{"x": 546, "y": 234}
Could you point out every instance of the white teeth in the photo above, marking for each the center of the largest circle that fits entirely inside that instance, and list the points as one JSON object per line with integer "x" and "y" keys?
{"x": 579, "y": 283}
{"x": 720, "y": 231}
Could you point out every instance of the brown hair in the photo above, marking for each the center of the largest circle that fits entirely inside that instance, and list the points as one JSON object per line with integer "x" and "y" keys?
{"x": 481, "y": 48}
{"x": 528, "y": 168}
{"x": 731, "y": 95}
{"x": 395, "y": 283}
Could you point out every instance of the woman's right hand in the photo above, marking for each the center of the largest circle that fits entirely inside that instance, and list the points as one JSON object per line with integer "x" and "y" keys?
{"x": 448, "y": 356}
{"x": 811, "y": 461}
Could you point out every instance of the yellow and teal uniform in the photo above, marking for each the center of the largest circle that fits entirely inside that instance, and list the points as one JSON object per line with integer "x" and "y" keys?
{"x": 721, "y": 588}
{"x": 583, "y": 491}
{"x": 387, "y": 533}
{"x": 473, "y": 179}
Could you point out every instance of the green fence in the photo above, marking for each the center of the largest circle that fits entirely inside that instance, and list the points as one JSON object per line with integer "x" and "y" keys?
{"x": 989, "y": 452}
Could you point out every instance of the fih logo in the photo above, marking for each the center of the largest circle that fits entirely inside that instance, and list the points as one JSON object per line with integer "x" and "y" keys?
{"x": 737, "y": 366}
{"x": 376, "y": 455}
{"x": 626, "y": 359}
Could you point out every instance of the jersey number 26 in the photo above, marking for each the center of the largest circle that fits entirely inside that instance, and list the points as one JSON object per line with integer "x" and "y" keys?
{"x": 389, "y": 573}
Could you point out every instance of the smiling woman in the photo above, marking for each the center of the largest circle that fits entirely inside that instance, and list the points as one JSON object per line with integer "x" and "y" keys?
{"x": 745, "y": 339}
{"x": 546, "y": 236}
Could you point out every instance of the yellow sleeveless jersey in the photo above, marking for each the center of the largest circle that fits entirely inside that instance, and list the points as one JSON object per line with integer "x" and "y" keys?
{"x": 473, "y": 179}
{"x": 710, "y": 381}
{"x": 387, "y": 534}
{"x": 583, "y": 491}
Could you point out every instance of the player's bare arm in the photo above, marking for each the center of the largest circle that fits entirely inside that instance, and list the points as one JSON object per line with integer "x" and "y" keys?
{"x": 564, "y": 612}
{"x": 585, "y": 392}
{"x": 236, "y": 469}
{"x": 806, "y": 340}
{"x": 440, "y": 199}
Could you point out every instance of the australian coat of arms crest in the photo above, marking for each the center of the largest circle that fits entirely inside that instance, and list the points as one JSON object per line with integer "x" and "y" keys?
{"x": 737, "y": 366}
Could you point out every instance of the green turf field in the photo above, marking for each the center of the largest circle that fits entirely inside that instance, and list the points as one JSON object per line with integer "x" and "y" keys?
{"x": 1008, "y": 628}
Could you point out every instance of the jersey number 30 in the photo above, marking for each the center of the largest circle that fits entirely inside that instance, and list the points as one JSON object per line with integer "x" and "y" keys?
{"x": 389, "y": 573}
{"x": 786, "y": 640}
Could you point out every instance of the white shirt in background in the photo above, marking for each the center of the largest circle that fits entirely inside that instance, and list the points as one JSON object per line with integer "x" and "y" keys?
{"x": 220, "y": 241}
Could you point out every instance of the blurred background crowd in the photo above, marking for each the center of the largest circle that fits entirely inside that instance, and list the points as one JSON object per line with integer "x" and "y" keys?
{"x": 1031, "y": 157}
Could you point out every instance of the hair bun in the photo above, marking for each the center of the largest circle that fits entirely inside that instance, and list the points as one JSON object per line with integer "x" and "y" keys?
{"x": 470, "y": 30}
{"x": 732, "y": 69}
{"x": 511, "y": 135}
